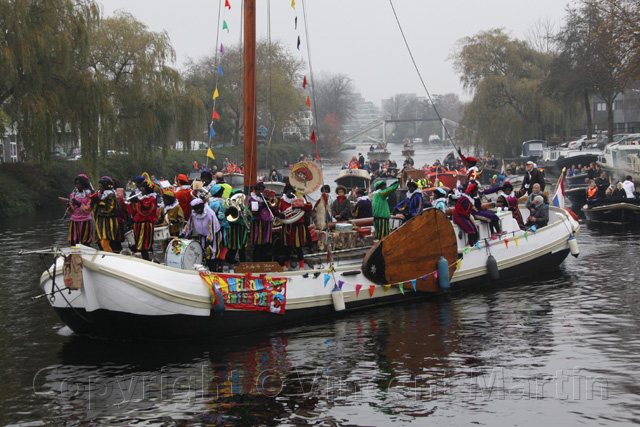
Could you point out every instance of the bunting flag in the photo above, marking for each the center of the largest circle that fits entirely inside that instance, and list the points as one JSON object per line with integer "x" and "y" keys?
{"x": 401, "y": 287}
{"x": 293, "y": 5}
{"x": 478, "y": 245}
{"x": 326, "y": 279}
{"x": 210, "y": 154}
{"x": 506, "y": 243}
{"x": 435, "y": 274}
{"x": 534, "y": 229}
{"x": 488, "y": 243}
{"x": 298, "y": 43}
{"x": 296, "y": 24}
{"x": 372, "y": 289}
{"x": 424, "y": 277}
{"x": 316, "y": 274}
{"x": 385, "y": 288}
{"x": 515, "y": 239}
{"x": 340, "y": 283}
{"x": 526, "y": 236}
{"x": 313, "y": 136}
{"x": 458, "y": 264}
{"x": 212, "y": 133}
{"x": 308, "y": 102}
{"x": 466, "y": 250}
{"x": 215, "y": 115}
{"x": 331, "y": 269}
{"x": 216, "y": 94}
{"x": 219, "y": 69}
{"x": 358, "y": 287}
{"x": 304, "y": 82}
{"x": 413, "y": 283}
{"x": 222, "y": 51}
{"x": 224, "y": 26}
{"x": 227, "y": 4}
{"x": 318, "y": 155}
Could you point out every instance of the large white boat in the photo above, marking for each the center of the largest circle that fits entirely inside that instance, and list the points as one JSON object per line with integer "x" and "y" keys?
{"x": 379, "y": 154}
{"x": 126, "y": 297}
{"x": 618, "y": 157}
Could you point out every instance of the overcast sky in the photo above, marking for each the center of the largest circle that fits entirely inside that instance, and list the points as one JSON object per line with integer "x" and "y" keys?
{"x": 359, "y": 38}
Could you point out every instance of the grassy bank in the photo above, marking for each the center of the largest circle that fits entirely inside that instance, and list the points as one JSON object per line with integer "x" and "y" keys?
{"x": 24, "y": 187}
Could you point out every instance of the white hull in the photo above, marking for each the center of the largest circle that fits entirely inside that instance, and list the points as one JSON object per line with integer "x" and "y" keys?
{"x": 129, "y": 292}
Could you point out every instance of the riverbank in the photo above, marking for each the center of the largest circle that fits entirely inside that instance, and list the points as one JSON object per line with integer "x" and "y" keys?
{"x": 26, "y": 188}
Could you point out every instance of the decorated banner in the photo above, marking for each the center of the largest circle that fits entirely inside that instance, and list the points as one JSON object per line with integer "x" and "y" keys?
{"x": 251, "y": 293}
{"x": 306, "y": 177}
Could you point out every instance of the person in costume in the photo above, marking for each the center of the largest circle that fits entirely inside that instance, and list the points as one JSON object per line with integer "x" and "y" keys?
{"x": 363, "y": 205}
{"x": 508, "y": 200}
{"x": 183, "y": 195}
{"x": 380, "y": 207}
{"x": 217, "y": 205}
{"x": 341, "y": 207}
{"x": 81, "y": 227}
{"x": 462, "y": 213}
{"x": 412, "y": 205}
{"x": 238, "y": 238}
{"x": 143, "y": 211}
{"x": 295, "y": 234}
{"x": 440, "y": 199}
{"x": 207, "y": 183}
{"x": 123, "y": 217}
{"x": 105, "y": 207}
{"x": 473, "y": 172}
{"x": 170, "y": 215}
{"x": 262, "y": 223}
{"x": 227, "y": 188}
{"x": 204, "y": 223}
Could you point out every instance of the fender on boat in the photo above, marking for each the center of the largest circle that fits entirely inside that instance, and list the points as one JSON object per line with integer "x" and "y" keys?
{"x": 338, "y": 299}
{"x": 492, "y": 266}
{"x": 444, "y": 280}
{"x": 573, "y": 246}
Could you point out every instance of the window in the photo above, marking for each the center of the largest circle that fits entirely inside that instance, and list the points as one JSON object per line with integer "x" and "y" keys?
{"x": 601, "y": 106}
{"x": 13, "y": 155}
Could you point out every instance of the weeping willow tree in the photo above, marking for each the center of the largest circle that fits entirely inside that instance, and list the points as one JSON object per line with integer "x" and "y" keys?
{"x": 505, "y": 77}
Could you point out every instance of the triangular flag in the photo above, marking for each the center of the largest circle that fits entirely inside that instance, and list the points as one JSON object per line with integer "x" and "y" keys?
{"x": 212, "y": 133}
{"x": 340, "y": 283}
{"x": 215, "y": 115}
{"x": 515, "y": 239}
{"x": 413, "y": 283}
{"x": 435, "y": 274}
{"x": 308, "y": 103}
{"x": 224, "y": 26}
{"x": 526, "y": 236}
{"x": 216, "y": 94}
{"x": 317, "y": 155}
{"x": 296, "y": 23}
{"x": 316, "y": 274}
{"x": 358, "y": 287}
{"x": 466, "y": 250}
{"x": 210, "y": 153}
{"x": 506, "y": 243}
{"x": 222, "y": 51}
{"x": 458, "y": 264}
{"x": 401, "y": 287}
{"x": 313, "y": 136}
{"x": 534, "y": 229}
{"x": 326, "y": 279}
{"x": 304, "y": 83}
{"x": 478, "y": 245}
{"x": 331, "y": 269}
{"x": 372, "y": 289}
{"x": 385, "y": 288}
{"x": 487, "y": 243}
{"x": 293, "y": 5}
{"x": 424, "y": 277}
{"x": 298, "y": 43}
{"x": 220, "y": 69}
{"x": 227, "y": 4}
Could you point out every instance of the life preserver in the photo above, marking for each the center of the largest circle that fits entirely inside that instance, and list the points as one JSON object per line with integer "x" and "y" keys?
{"x": 573, "y": 215}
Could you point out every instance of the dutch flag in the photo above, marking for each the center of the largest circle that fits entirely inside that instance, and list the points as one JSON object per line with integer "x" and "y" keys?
{"x": 558, "y": 197}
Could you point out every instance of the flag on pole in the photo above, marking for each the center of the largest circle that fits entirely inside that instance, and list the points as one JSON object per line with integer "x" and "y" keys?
{"x": 558, "y": 197}
{"x": 313, "y": 136}
{"x": 216, "y": 94}
{"x": 224, "y": 26}
{"x": 222, "y": 51}
{"x": 308, "y": 103}
{"x": 215, "y": 115}
{"x": 227, "y": 4}
{"x": 212, "y": 133}
{"x": 293, "y": 4}
{"x": 220, "y": 69}
{"x": 304, "y": 83}
{"x": 210, "y": 154}
{"x": 502, "y": 170}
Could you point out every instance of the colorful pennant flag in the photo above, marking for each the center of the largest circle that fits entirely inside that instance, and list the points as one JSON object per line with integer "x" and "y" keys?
{"x": 340, "y": 283}
{"x": 466, "y": 250}
{"x": 488, "y": 243}
{"x": 458, "y": 264}
{"x": 385, "y": 288}
{"x": 216, "y": 94}
{"x": 219, "y": 69}
{"x": 326, "y": 279}
{"x": 318, "y": 155}
{"x": 534, "y": 229}
{"x": 331, "y": 269}
{"x": 316, "y": 274}
{"x": 308, "y": 103}
{"x": 293, "y": 4}
{"x": 401, "y": 287}
{"x": 515, "y": 239}
{"x": 212, "y": 133}
{"x": 224, "y": 26}
{"x": 372, "y": 289}
{"x": 215, "y": 115}
{"x": 298, "y": 43}
{"x": 435, "y": 274}
{"x": 478, "y": 245}
{"x": 304, "y": 83}
{"x": 313, "y": 136}
{"x": 506, "y": 243}
{"x": 358, "y": 287}
{"x": 227, "y": 4}
{"x": 526, "y": 236}
{"x": 222, "y": 51}
{"x": 413, "y": 283}
{"x": 210, "y": 154}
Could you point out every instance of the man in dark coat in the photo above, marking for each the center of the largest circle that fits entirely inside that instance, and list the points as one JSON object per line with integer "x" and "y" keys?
{"x": 361, "y": 160}
{"x": 532, "y": 176}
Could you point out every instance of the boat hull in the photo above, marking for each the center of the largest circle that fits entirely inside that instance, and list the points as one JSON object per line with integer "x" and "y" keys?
{"x": 380, "y": 156}
{"x": 613, "y": 213}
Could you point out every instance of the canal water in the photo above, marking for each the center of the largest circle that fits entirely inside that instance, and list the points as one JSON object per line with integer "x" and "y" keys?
{"x": 561, "y": 348}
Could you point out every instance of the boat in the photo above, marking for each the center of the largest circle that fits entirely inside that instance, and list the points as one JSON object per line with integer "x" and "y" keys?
{"x": 577, "y": 197}
{"x": 123, "y": 296}
{"x": 533, "y": 150}
{"x": 612, "y": 212}
{"x": 556, "y": 159}
{"x": 407, "y": 148}
{"x": 352, "y": 178}
{"x": 113, "y": 295}
{"x": 617, "y": 157}
{"x": 434, "y": 140}
{"x": 451, "y": 179}
{"x": 379, "y": 154}
{"x": 235, "y": 180}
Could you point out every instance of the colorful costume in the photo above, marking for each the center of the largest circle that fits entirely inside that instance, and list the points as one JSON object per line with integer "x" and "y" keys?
{"x": 412, "y": 205}
{"x": 462, "y": 215}
{"x": 261, "y": 227}
{"x": 380, "y": 208}
{"x": 81, "y": 227}
{"x": 144, "y": 216}
{"x": 206, "y": 225}
{"x": 105, "y": 209}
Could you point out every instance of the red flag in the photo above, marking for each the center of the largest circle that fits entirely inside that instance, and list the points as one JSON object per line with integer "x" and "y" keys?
{"x": 317, "y": 155}
{"x": 308, "y": 103}
{"x": 215, "y": 115}
{"x": 304, "y": 83}
{"x": 313, "y": 136}
{"x": 227, "y": 4}
{"x": 372, "y": 289}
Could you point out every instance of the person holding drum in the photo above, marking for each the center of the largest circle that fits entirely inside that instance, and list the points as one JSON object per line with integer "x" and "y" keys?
{"x": 238, "y": 238}
{"x": 262, "y": 223}
{"x": 217, "y": 206}
{"x": 203, "y": 221}
{"x": 291, "y": 213}
{"x": 171, "y": 215}
{"x": 142, "y": 208}
{"x": 104, "y": 205}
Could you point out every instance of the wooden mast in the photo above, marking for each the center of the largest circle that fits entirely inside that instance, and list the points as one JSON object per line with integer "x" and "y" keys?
{"x": 250, "y": 117}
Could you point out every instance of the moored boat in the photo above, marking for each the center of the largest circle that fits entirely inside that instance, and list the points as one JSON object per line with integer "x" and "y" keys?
{"x": 613, "y": 212}
{"x": 379, "y": 154}
{"x": 352, "y": 178}
{"x": 451, "y": 179}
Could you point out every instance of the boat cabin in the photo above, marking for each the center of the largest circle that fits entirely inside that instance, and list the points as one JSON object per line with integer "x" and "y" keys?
{"x": 533, "y": 149}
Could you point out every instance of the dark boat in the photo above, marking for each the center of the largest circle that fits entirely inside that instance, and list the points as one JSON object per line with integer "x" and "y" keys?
{"x": 613, "y": 212}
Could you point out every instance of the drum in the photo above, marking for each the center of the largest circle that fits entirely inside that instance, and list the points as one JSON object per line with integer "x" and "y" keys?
{"x": 161, "y": 233}
{"x": 183, "y": 254}
{"x": 130, "y": 238}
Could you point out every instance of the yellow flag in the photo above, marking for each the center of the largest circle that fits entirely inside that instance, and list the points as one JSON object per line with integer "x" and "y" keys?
{"x": 210, "y": 154}
{"x": 386, "y": 288}
{"x": 216, "y": 94}
{"x": 293, "y": 4}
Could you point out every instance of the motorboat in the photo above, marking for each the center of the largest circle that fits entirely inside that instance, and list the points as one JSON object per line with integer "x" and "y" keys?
{"x": 379, "y": 154}
{"x": 352, "y": 178}
{"x": 613, "y": 212}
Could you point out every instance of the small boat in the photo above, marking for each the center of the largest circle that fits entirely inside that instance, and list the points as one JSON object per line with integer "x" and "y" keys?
{"x": 533, "y": 150}
{"x": 613, "y": 212}
{"x": 235, "y": 180}
{"x": 352, "y": 178}
{"x": 556, "y": 159}
{"x": 451, "y": 179}
{"x": 408, "y": 151}
{"x": 434, "y": 140}
{"x": 379, "y": 154}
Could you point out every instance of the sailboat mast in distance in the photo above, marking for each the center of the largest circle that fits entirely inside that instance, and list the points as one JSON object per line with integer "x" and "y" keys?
{"x": 250, "y": 117}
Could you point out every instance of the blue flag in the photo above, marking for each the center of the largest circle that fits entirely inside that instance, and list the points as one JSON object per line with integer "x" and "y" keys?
{"x": 326, "y": 279}
{"x": 212, "y": 133}
{"x": 298, "y": 42}
{"x": 220, "y": 69}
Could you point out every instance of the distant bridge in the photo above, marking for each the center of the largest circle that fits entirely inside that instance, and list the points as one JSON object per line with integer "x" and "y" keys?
{"x": 382, "y": 121}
